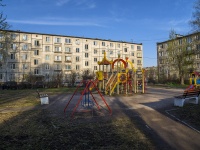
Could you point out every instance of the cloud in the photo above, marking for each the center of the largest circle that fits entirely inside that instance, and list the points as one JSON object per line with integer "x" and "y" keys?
{"x": 62, "y": 2}
{"x": 84, "y": 4}
{"x": 58, "y": 22}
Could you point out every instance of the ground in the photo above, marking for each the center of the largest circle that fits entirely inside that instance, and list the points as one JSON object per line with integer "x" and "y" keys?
{"x": 137, "y": 122}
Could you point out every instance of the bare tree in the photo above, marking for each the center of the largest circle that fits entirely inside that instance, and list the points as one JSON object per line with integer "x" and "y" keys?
{"x": 195, "y": 22}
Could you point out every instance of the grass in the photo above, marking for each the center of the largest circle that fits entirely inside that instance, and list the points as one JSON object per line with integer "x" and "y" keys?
{"x": 43, "y": 129}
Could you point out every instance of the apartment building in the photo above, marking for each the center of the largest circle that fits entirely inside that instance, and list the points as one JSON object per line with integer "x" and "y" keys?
{"x": 190, "y": 42}
{"x": 43, "y": 55}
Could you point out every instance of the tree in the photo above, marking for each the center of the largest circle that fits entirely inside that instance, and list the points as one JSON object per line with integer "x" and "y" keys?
{"x": 181, "y": 55}
{"x": 195, "y": 23}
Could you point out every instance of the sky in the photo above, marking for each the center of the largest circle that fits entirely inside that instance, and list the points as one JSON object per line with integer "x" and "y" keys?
{"x": 138, "y": 21}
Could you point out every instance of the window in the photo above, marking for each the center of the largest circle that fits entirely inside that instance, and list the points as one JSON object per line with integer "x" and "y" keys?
{"x": 86, "y": 55}
{"x": 1, "y": 66}
{"x": 77, "y": 67}
{"x": 95, "y": 59}
{"x": 111, "y": 44}
{"x": 77, "y": 58}
{"x": 132, "y": 53}
{"x": 57, "y": 40}
{"x": 67, "y": 49}
{"x": 95, "y": 67}
{"x": 95, "y": 51}
{"x": 132, "y": 61}
{"x": 12, "y": 66}
{"x": 1, "y": 36}
{"x": 24, "y": 66}
{"x": 67, "y": 40}
{"x": 139, "y": 55}
{"x": 47, "y": 39}
{"x": 67, "y": 58}
{"x": 57, "y": 58}
{"x": 25, "y": 47}
{"x": 12, "y": 77}
{"x": 77, "y": 50}
{"x": 125, "y": 50}
{"x": 25, "y": 37}
{"x": 132, "y": 46}
{"x": 68, "y": 67}
{"x": 37, "y": 43}
{"x": 77, "y": 41}
{"x": 86, "y": 63}
{"x": 118, "y": 45}
{"x": 36, "y": 71}
{"x": 57, "y": 49}
{"x": 103, "y": 51}
{"x": 13, "y": 46}
{"x": 58, "y": 67}
{"x": 12, "y": 56}
{"x": 189, "y": 39}
{"x": 138, "y": 47}
{"x": 95, "y": 42}
{"x": 47, "y": 57}
{"x": 139, "y": 61}
{"x": 13, "y": 36}
{"x": 47, "y": 66}
{"x": 86, "y": 46}
{"x": 111, "y": 52}
{"x": 24, "y": 56}
{"x": 198, "y": 56}
{"x": 1, "y": 76}
{"x": 35, "y": 61}
{"x": 103, "y": 44}
{"x": 47, "y": 48}
{"x": 1, "y": 57}
{"x": 36, "y": 52}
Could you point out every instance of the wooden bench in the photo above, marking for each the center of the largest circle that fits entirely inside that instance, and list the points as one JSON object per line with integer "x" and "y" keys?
{"x": 189, "y": 94}
{"x": 44, "y": 98}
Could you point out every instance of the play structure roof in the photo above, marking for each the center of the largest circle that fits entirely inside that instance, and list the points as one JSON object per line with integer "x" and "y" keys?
{"x": 104, "y": 61}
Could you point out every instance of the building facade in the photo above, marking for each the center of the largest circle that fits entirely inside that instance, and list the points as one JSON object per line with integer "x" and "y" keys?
{"x": 189, "y": 43}
{"x": 47, "y": 54}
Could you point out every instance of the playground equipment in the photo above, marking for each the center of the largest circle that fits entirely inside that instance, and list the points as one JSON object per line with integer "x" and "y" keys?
{"x": 86, "y": 102}
{"x": 119, "y": 76}
{"x": 195, "y": 79}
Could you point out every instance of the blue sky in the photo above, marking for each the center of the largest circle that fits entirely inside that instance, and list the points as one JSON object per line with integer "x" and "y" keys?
{"x": 139, "y": 21}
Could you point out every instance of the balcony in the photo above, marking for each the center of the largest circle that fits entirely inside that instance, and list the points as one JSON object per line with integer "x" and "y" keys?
{"x": 58, "y": 61}
{"x": 68, "y": 61}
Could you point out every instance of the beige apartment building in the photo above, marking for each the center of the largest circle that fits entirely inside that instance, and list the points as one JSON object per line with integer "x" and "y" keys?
{"x": 190, "y": 42}
{"x": 47, "y": 54}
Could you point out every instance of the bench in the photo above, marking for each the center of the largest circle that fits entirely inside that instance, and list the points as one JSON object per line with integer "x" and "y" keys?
{"x": 187, "y": 95}
{"x": 44, "y": 98}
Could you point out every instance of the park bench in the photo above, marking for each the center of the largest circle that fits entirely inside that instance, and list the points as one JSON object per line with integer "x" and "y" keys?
{"x": 44, "y": 98}
{"x": 187, "y": 95}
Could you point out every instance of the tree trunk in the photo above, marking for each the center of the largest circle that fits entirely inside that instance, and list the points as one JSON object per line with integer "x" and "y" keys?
{"x": 182, "y": 80}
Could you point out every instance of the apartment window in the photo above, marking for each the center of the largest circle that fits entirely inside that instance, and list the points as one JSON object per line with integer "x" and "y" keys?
{"x": 132, "y": 61}
{"x": 139, "y": 55}
{"x": 139, "y": 61}
{"x": 47, "y": 39}
{"x": 36, "y": 71}
{"x": 12, "y": 66}
{"x": 25, "y": 37}
{"x": 103, "y": 44}
{"x": 36, "y": 52}
{"x": 13, "y": 36}
{"x": 24, "y": 56}
{"x": 132, "y": 53}
{"x": 37, "y": 43}
{"x": 86, "y": 46}
{"x": 58, "y": 67}
{"x": 12, "y": 56}
{"x": 189, "y": 39}
{"x": 111, "y": 44}
{"x": 24, "y": 66}
{"x": 12, "y": 77}
{"x": 95, "y": 67}
{"x": 36, "y": 61}
{"x": 67, "y": 40}
{"x": 125, "y": 50}
{"x": 103, "y": 51}
{"x": 86, "y": 63}
{"x": 198, "y": 56}
{"x": 77, "y": 50}
{"x": 13, "y": 46}
{"x": 118, "y": 45}
{"x": 57, "y": 49}
{"x": 77, "y": 67}
{"x": 47, "y": 57}
{"x": 1, "y": 36}
{"x": 47, "y": 66}
{"x": 67, "y": 58}
{"x": 47, "y": 48}
{"x": 25, "y": 47}
{"x": 95, "y": 42}
{"x": 138, "y": 47}
{"x": 77, "y": 58}
{"x": 67, "y": 49}
{"x": 57, "y": 58}
{"x": 132, "y": 46}
{"x": 188, "y": 48}
{"x": 1, "y": 66}
{"x": 68, "y": 67}
{"x": 111, "y": 52}
{"x": 57, "y": 40}
{"x": 95, "y": 59}
{"x": 95, "y": 51}
{"x": 86, "y": 55}
{"x": 1, "y": 76}
{"x": 77, "y": 41}
{"x": 1, "y": 57}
